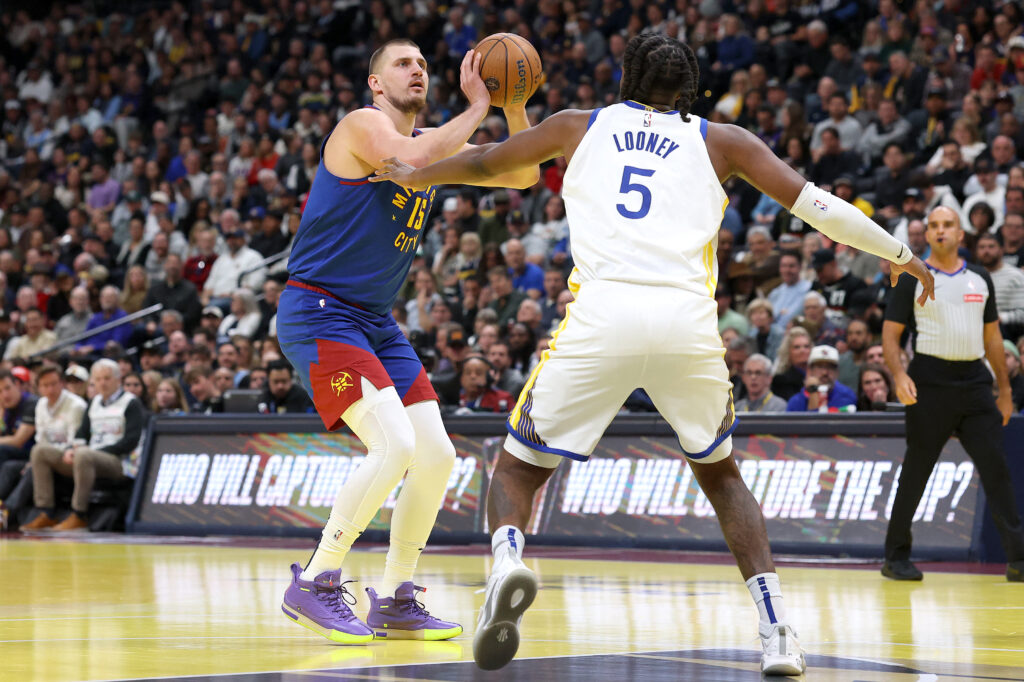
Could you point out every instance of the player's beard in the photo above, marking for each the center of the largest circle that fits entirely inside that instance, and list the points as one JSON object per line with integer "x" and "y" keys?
{"x": 411, "y": 104}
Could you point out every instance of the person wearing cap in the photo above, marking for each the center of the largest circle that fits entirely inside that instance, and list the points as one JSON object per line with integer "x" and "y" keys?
{"x": 832, "y": 283}
{"x": 948, "y": 390}
{"x": 822, "y": 391}
{"x": 229, "y": 266}
{"x": 77, "y": 378}
{"x": 990, "y": 192}
{"x": 159, "y": 202}
{"x": 494, "y": 228}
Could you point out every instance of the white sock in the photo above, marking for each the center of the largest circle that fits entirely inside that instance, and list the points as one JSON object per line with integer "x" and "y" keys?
{"x": 507, "y": 545}
{"x": 767, "y": 594}
{"x": 335, "y": 542}
{"x": 399, "y": 566}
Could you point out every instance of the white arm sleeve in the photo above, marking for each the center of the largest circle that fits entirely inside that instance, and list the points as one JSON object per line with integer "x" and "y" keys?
{"x": 843, "y": 222}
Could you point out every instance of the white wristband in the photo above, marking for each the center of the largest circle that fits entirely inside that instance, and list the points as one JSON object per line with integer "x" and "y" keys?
{"x": 843, "y": 222}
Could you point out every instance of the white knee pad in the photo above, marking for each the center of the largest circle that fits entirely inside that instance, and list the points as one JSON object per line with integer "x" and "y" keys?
{"x": 433, "y": 446}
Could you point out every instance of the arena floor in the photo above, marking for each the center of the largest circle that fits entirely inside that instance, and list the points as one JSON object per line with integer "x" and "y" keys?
{"x": 122, "y": 607}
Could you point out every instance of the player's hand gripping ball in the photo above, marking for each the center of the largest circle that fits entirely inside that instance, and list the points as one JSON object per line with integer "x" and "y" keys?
{"x": 510, "y": 68}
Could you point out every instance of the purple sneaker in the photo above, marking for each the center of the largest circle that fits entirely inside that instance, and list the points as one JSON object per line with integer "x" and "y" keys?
{"x": 402, "y": 617}
{"x": 322, "y": 605}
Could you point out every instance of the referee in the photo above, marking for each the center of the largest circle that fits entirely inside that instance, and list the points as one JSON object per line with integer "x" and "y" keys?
{"x": 948, "y": 390}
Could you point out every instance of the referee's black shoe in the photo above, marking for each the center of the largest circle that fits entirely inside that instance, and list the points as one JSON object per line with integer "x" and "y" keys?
{"x": 1015, "y": 571}
{"x": 903, "y": 569}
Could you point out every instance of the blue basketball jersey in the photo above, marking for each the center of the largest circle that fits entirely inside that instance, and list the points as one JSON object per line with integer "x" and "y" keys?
{"x": 357, "y": 239}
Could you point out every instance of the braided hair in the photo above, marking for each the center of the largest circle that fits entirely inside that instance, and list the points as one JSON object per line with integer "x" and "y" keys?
{"x": 655, "y": 63}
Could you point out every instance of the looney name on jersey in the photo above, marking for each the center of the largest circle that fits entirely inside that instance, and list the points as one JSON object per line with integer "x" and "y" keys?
{"x": 645, "y": 142}
{"x": 411, "y": 211}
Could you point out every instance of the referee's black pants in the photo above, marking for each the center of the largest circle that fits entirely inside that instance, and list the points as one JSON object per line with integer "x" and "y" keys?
{"x": 953, "y": 398}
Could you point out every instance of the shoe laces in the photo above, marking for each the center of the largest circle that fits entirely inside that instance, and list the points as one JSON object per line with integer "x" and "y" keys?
{"x": 413, "y": 606}
{"x": 338, "y": 598}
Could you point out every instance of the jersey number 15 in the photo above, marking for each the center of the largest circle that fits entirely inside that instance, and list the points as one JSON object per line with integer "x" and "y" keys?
{"x": 628, "y": 187}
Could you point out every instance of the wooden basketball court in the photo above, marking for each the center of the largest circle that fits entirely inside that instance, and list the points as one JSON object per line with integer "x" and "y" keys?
{"x": 123, "y": 607}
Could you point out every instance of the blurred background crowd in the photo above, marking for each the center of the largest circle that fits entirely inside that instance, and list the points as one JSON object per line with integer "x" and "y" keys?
{"x": 155, "y": 158}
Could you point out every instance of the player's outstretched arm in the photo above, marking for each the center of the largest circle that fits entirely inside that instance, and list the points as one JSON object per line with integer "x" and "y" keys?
{"x": 370, "y": 135}
{"x": 555, "y": 136}
{"x": 736, "y": 151}
{"x": 517, "y": 121}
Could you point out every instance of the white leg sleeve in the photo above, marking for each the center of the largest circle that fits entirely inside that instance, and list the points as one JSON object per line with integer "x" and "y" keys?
{"x": 379, "y": 420}
{"x": 421, "y": 494}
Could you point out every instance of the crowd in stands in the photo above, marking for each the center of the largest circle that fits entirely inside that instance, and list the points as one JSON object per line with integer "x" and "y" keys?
{"x": 158, "y": 154}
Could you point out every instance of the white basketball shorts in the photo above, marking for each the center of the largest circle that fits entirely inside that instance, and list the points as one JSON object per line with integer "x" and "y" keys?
{"x": 615, "y": 338}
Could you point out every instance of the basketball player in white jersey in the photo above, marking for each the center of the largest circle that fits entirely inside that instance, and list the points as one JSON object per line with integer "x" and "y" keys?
{"x": 644, "y": 199}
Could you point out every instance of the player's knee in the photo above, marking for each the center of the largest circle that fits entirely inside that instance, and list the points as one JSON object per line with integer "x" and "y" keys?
{"x": 436, "y": 452}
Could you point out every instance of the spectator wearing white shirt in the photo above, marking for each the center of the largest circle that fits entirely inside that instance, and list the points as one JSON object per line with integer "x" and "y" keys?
{"x": 58, "y": 412}
{"x": 226, "y": 270}
{"x": 245, "y": 316}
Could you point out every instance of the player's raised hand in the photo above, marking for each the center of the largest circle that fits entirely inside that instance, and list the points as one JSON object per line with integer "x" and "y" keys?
{"x": 471, "y": 82}
{"x": 398, "y": 172}
{"x": 916, "y": 269}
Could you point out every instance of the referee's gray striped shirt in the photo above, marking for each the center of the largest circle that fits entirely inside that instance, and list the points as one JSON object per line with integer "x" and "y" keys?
{"x": 952, "y": 327}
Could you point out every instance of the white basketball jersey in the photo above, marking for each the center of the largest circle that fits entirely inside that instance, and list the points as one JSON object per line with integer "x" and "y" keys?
{"x": 643, "y": 201}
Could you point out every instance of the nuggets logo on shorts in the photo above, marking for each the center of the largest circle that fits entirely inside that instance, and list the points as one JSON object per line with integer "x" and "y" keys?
{"x": 340, "y": 381}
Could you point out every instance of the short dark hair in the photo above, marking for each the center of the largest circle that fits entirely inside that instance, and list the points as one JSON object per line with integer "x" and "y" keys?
{"x": 499, "y": 270}
{"x": 49, "y": 369}
{"x": 194, "y": 374}
{"x": 278, "y": 365}
{"x": 994, "y": 236}
{"x": 6, "y": 374}
{"x": 378, "y": 55}
{"x": 791, "y": 254}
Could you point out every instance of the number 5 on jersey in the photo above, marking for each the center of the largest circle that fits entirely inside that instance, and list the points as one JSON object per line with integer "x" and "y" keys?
{"x": 628, "y": 187}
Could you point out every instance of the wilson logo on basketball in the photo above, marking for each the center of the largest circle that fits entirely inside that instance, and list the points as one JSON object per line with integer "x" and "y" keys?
{"x": 974, "y": 298}
{"x": 340, "y": 381}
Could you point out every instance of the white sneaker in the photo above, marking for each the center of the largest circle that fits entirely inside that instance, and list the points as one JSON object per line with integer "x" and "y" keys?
{"x": 510, "y": 591}
{"x": 782, "y": 653}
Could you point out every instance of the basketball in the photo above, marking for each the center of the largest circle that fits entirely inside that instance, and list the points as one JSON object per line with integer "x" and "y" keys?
{"x": 510, "y": 68}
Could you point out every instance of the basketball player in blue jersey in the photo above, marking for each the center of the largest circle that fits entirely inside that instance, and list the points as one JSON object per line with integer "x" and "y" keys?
{"x": 351, "y": 255}
{"x": 644, "y": 201}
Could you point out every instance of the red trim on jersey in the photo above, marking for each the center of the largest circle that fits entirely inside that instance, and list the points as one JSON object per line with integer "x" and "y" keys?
{"x": 318, "y": 290}
{"x": 337, "y": 379}
{"x": 360, "y": 182}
